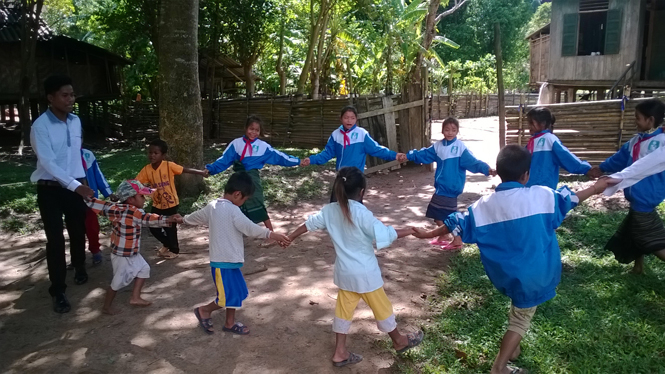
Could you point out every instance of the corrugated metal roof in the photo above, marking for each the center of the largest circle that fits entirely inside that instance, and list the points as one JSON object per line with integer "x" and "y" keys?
{"x": 10, "y": 24}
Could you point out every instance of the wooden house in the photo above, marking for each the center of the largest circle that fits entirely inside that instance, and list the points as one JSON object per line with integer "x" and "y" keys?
{"x": 602, "y": 46}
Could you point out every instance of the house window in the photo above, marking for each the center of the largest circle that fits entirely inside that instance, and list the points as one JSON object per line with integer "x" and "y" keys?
{"x": 591, "y": 32}
{"x": 594, "y": 5}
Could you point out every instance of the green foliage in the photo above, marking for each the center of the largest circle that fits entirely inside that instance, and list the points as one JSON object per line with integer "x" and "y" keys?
{"x": 603, "y": 319}
{"x": 540, "y": 18}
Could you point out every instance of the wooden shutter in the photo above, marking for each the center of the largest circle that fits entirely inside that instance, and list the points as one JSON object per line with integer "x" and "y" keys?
{"x": 569, "y": 39}
{"x": 613, "y": 32}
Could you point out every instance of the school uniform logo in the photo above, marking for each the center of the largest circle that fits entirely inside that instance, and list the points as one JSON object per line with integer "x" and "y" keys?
{"x": 354, "y": 136}
{"x": 454, "y": 150}
{"x": 541, "y": 142}
{"x": 653, "y": 145}
{"x": 255, "y": 148}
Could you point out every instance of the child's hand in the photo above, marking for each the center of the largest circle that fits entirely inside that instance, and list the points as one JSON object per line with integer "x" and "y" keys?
{"x": 420, "y": 233}
{"x": 603, "y": 182}
{"x": 493, "y": 172}
{"x": 206, "y": 173}
{"x": 595, "y": 172}
{"x": 304, "y": 162}
{"x": 283, "y": 240}
{"x": 401, "y": 157}
{"x": 176, "y": 218}
{"x": 113, "y": 197}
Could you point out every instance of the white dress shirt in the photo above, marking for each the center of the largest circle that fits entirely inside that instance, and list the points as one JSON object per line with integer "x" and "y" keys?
{"x": 57, "y": 145}
{"x": 356, "y": 266}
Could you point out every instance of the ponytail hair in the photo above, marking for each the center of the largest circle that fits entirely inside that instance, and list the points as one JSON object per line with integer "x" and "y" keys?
{"x": 543, "y": 115}
{"x": 348, "y": 185}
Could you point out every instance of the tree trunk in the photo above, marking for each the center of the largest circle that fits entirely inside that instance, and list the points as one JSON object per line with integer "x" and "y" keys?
{"x": 315, "y": 31}
{"x": 249, "y": 79}
{"x": 389, "y": 68}
{"x": 30, "y": 13}
{"x": 278, "y": 67}
{"x": 180, "y": 117}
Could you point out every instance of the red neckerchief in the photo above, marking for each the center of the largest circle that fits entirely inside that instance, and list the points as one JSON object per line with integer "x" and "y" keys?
{"x": 636, "y": 146}
{"x": 532, "y": 141}
{"x": 347, "y": 140}
{"x": 248, "y": 145}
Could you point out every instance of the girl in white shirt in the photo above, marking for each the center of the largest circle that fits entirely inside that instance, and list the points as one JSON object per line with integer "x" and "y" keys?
{"x": 353, "y": 229}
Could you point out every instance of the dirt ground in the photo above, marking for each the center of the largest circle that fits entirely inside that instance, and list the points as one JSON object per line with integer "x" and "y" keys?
{"x": 289, "y": 309}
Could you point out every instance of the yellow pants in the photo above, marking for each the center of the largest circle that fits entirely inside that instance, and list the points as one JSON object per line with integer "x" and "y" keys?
{"x": 377, "y": 300}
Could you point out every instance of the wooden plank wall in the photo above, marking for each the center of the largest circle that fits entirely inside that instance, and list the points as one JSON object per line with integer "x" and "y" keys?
{"x": 473, "y": 105}
{"x": 593, "y": 130}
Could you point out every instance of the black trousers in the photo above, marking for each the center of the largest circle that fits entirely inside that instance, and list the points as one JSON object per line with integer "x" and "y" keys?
{"x": 168, "y": 236}
{"x": 54, "y": 202}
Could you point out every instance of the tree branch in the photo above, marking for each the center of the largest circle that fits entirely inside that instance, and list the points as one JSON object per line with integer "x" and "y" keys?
{"x": 449, "y": 11}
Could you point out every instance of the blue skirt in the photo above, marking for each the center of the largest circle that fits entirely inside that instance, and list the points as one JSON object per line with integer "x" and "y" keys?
{"x": 231, "y": 287}
{"x": 440, "y": 207}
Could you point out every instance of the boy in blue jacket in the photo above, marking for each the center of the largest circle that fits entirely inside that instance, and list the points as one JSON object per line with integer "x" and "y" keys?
{"x": 514, "y": 230}
{"x": 351, "y": 145}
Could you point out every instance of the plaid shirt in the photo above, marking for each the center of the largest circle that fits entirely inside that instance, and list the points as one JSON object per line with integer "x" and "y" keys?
{"x": 127, "y": 221}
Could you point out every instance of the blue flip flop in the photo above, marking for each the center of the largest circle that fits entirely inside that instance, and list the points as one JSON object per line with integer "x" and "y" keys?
{"x": 206, "y": 324}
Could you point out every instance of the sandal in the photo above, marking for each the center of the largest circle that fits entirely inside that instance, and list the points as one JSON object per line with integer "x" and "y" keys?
{"x": 97, "y": 259}
{"x": 451, "y": 247}
{"x": 414, "y": 338}
{"x": 439, "y": 242}
{"x": 353, "y": 359}
{"x": 237, "y": 328}
{"x": 169, "y": 255}
{"x": 516, "y": 370}
{"x": 206, "y": 324}
{"x": 161, "y": 251}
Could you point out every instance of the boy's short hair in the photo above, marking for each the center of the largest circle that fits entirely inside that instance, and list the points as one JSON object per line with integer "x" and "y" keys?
{"x": 163, "y": 147}
{"x": 55, "y": 82}
{"x": 240, "y": 181}
{"x": 512, "y": 162}
{"x": 450, "y": 120}
{"x": 652, "y": 108}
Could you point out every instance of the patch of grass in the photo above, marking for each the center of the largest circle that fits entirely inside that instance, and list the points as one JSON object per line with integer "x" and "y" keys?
{"x": 282, "y": 186}
{"x": 603, "y": 320}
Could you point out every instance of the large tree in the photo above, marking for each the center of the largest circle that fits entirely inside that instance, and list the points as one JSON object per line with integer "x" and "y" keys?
{"x": 180, "y": 117}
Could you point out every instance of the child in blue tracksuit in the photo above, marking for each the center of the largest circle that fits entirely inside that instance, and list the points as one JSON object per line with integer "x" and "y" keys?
{"x": 350, "y": 145}
{"x": 642, "y": 231}
{"x": 515, "y": 232}
{"x": 548, "y": 154}
{"x": 249, "y": 153}
{"x": 96, "y": 182}
{"x": 453, "y": 159}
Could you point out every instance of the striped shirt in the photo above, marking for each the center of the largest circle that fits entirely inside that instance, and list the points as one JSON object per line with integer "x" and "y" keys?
{"x": 127, "y": 221}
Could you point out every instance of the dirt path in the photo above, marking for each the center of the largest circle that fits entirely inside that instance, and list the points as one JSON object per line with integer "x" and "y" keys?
{"x": 289, "y": 310}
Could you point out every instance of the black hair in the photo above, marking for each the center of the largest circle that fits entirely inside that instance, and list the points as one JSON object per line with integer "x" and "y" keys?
{"x": 254, "y": 119}
{"x": 53, "y": 83}
{"x": 543, "y": 115}
{"x": 240, "y": 181}
{"x": 349, "y": 108}
{"x": 163, "y": 147}
{"x": 349, "y": 183}
{"x": 652, "y": 108}
{"x": 512, "y": 162}
{"x": 448, "y": 120}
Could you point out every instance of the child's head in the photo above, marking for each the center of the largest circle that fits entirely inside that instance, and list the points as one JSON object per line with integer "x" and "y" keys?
{"x": 253, "y": 127}
{"x": 450, "y": 128}
{"x": 59, "y": 93}
{"x": 239, "y": 188}
{"x": 349, "y": 185}
{"x": 649, "y": 114}
{"x": 157, "y": 151}
{"x": 349, "y": 116}
{"x": 540, "y": 118}
{"x": 132, "y": 192}
{"x": 513, "y": 163}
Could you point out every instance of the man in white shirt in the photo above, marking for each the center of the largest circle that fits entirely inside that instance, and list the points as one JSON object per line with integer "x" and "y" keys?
{"x": 56, "y": 139}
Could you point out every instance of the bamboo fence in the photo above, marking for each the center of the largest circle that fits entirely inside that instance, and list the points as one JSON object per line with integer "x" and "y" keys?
{"x": 593, "y": 130}
{"x": 473, "y": 105}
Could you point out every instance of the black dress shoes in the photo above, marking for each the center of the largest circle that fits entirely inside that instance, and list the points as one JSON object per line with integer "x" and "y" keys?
{"x": 61, "y": 304}
{"x": 80, "y": 277}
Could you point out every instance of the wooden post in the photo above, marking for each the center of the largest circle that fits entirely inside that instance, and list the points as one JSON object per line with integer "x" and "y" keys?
{"x": 391, "y": 129}
{"x": 499, "y": 82}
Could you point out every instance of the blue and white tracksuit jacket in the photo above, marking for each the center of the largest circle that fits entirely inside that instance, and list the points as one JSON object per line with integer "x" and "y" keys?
{"x": 261, "y": 153}
{"x": 646, "y": 194}
{"x": 94, "y": 175}
{"x": 452, "y": 159}
{"x": 354, "y": 153}
{"x": 514, "y": 230}
{"x": 548, "y": 156}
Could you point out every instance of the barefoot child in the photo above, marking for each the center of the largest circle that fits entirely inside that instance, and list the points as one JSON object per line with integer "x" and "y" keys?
{"x": 452, "y": 159}
{"x": 548, "y": 154}
{"x": 350, "y": 145}
{"x": 160, "y": 175}
{"x": 127, "y": 217}
{"x": 642, "y": 232}
{"x": 227, "y": 225}
{"x": 353, "y": 229}
{"x": 514, "y": 230}
{"x": 249, "y": 153}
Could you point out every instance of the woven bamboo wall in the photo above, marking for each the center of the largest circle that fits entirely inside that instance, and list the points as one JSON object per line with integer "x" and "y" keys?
{"x": 593, "y": 130}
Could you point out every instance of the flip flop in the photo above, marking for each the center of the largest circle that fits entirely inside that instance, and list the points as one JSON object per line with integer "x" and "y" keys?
{"x": 451, "y": 247}
{"x": 237, "y": 328}
{"x": 353, "y": 359}
{"x": 206, "y": 324}
{"x": 516, "y": 370}
{"x": 415, "y": 338}
{"x": 439, "y": 242}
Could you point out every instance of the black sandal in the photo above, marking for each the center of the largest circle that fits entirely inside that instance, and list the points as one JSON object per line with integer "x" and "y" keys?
{"x": 415, "y": 338}
{"x": 353, "y": 359}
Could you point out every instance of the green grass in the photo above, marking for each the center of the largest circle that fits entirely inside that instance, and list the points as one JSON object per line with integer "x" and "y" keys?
{"x": 282, "y": 186}
{"x": 603, "y": 320}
